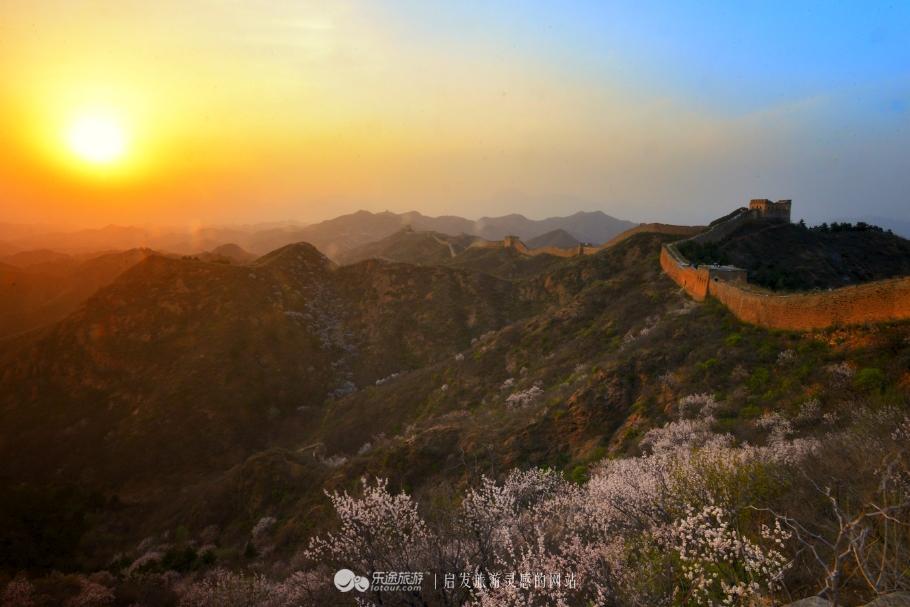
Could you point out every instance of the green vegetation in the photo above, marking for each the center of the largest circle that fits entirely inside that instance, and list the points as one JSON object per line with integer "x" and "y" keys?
{"x": 444, "y": 365}
{"x": 829, "y": 256}
{"x": 870, "y": 380}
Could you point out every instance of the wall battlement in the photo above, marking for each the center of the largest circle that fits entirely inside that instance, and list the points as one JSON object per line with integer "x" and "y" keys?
{"x": 879, "y": 301}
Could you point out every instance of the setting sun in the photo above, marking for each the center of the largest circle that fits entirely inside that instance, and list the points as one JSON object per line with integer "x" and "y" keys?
{"x": 97, "y": 139}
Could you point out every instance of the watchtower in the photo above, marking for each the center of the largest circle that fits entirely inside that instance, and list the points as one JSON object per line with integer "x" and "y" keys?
{"x": 776, "y": 211}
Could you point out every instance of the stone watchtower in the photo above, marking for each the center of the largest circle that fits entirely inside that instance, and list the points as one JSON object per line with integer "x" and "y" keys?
{"x": 776, "y": 211}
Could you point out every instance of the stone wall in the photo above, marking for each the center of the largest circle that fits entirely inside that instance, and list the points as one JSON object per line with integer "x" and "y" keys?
{"x": 691, "y": 278}
{"x": 651, "y": 228}
{"x": 513, "y": 242}
{"x": 879, "y": 301}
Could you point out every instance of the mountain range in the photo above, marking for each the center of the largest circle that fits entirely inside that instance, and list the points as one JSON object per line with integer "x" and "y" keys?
{"x": 188, "y": 402}
{"x": 333, "y": 237}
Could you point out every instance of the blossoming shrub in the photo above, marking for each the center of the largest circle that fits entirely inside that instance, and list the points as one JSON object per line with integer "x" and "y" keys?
{"x": 719, "y": 565}
{"x": 379, "y": 530}
{"x": 671, "y": 526}
{"x": 221, "y": 588}
{"x": 695, "y": 520}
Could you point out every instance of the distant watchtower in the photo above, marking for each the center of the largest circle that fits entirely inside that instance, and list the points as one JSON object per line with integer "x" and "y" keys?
{"x": 776, "y": 211}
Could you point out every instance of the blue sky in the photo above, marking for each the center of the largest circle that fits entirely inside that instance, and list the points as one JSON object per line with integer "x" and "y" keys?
{"x": 651, "y": 111}
{"x": 828, "y": 82}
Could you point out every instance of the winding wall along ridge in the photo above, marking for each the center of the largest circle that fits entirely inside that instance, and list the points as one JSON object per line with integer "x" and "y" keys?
{"x": 513, "y": 242}
{"x": 879, "y": 301}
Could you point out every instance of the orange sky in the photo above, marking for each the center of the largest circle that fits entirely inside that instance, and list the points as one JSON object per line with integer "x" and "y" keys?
{"x": 239, "y": 112}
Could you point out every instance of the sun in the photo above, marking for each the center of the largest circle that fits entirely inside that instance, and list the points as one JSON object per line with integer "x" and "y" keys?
{"x": 96, "y": 139}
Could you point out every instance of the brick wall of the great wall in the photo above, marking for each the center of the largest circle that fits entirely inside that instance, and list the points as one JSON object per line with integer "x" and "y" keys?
{"x": 879, "y": 301}
{"x": 694, "y": 280}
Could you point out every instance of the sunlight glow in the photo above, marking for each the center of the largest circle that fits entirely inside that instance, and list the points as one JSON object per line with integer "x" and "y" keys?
{"x": 99, "y": 140}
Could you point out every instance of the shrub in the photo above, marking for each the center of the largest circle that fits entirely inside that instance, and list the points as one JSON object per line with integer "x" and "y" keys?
{"x": 869, "y": 379}
{"x": 750, "y": 412}
{"x": 758, "y": 381}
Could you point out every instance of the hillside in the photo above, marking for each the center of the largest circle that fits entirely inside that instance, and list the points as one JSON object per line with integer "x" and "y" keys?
{"x": 113, "y": 395}
{"x": 504, "y": 262}
{"x": 433, "y": 248}
{"x": 792, "y": 257}
{"x": 410, "y": 246}
{"x": 228, "y": 253}
{"x": 194, "y": 400}
{"x": 554, "y": 238}
{"x": 595, "y": 227}
{"x": 52, "y": 287}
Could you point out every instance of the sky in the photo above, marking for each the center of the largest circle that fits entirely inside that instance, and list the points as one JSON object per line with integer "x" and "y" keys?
{"x": 227, "y": 111}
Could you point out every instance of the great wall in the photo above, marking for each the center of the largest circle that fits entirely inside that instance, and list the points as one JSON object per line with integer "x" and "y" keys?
{"x": 879, "y": 301}
{"x": 873, "y": 302}
{"x": 513, "y": 242}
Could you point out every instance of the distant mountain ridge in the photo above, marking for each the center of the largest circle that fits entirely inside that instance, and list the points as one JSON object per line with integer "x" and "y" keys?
{"x": 554, "y": 238}
{"x": 336, "y": 236}
{"x": 410, "y": 246}
{"x": 228, "y": 253}
{"x": 333, "y": 237}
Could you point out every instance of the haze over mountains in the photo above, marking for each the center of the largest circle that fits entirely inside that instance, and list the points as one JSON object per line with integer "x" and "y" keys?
{"x": 46, "y": 274}
{"x": 332, "y": 237}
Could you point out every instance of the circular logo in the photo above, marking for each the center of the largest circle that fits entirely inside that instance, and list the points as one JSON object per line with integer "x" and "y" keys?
{"x": 346, "y": 580}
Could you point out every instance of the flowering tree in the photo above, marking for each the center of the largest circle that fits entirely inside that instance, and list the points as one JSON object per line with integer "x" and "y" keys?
{"x": 380, "y": 531}
{"x": 91, "y": 594}
{"x": 222, "y": 587}
{"x": 19, "y": 592}
{"x": 680, "y": 524}
{"x": 860, "y": 535}
{"x": 532, "y": 544}
{"x": 719, "y": 565}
